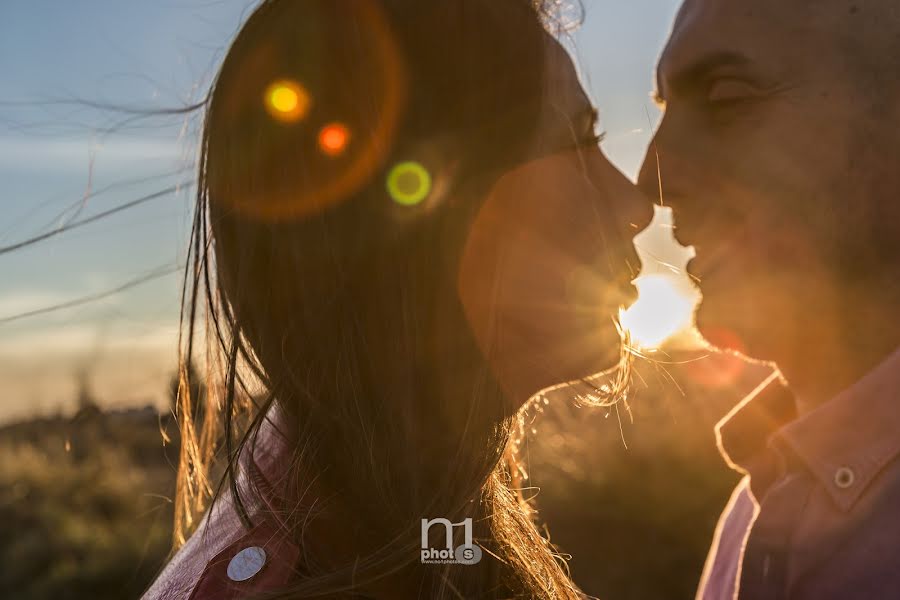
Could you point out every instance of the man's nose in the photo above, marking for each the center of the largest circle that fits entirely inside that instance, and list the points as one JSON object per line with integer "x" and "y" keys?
{"x": 650, "y": 177}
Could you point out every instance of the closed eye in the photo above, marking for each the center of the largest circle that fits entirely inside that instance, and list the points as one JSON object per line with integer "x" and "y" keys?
{"x": 730, "y": 90}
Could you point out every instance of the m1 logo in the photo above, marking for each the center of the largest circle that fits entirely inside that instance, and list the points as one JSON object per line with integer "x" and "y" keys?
{"x": 466, "y": 554}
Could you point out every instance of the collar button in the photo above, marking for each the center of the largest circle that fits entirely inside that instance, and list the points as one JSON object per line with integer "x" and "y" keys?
{"x": 246, "y": 563}
{"x": 844, "y": 478}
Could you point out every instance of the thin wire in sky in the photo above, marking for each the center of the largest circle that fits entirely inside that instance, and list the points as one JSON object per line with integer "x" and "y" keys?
{"x": 93, "y": 218}
{"x": 151, "y": 276}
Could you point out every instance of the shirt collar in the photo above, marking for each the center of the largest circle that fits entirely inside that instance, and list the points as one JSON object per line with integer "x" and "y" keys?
{"x": 265, "y": 462}
{"x": 848, "y": 440}
{"x": 844, "y": 443}
{"x": 742, "y": 435}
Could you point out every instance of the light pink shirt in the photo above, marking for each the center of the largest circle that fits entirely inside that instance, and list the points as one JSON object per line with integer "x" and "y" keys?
{"x": 817, "y": 516}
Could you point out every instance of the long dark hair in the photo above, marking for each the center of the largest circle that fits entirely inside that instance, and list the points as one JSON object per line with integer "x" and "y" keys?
{"x": 329, "y": 289}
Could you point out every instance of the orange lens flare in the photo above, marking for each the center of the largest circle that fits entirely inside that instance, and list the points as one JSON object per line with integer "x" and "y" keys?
{"x": 333, "y": 139}
{"x": 287, "y": 101}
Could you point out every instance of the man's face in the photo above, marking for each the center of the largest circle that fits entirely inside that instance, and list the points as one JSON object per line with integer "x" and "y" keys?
{"x": 779, "y": 152}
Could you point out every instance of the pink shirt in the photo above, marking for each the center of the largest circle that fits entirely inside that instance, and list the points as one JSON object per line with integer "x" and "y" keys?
{"x": 222, "y": 560}
{"x": 817, "y": 516}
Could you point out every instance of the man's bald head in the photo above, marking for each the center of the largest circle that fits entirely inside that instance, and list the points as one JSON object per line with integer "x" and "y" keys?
{"x": 864, "y": 33}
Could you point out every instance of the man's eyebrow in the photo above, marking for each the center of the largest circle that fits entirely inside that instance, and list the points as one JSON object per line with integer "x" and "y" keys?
{"x": 688, "y": 76}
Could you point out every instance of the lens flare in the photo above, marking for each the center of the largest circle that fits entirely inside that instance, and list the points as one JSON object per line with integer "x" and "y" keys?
{"x": 279, "y": 98}
{"x": 287, "y": 101}
{"x": 660, "y": 312}
{"x": 408, "y": 183}
{"x": 722, "y": 369}
{"x": 333, "y": 139}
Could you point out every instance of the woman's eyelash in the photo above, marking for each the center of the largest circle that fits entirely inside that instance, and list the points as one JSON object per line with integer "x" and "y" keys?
{"x": 592, "y": 135}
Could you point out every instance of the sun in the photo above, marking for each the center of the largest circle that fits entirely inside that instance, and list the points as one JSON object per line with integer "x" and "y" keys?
{"x": 661, "y": 311}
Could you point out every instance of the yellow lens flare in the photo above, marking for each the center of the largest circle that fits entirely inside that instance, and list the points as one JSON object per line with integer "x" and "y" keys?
{"x": 408, "y": 183}
{"x": 334, "y": 139}
{"x": 287, "y": 101}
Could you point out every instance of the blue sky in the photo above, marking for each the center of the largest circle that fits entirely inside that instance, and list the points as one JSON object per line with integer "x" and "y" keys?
{"x": 160, "y": 54}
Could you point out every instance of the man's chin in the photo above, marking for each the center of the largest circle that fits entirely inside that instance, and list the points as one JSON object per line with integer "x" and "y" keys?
{"x": 721, "y": 325}
{"x": 727, "y": 332}
{"x": 722, "y": 338}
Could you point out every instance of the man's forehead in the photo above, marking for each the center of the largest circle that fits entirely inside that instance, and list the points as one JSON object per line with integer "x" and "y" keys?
{"x": 739, "y": 28}
{"x": 705, "y": 24}
{"x": 742, "y": 12}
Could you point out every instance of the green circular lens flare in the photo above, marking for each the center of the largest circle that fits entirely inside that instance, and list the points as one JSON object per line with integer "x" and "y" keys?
{"x": 409, "y": 183}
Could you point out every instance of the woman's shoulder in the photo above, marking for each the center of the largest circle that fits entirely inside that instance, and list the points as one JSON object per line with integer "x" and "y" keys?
{"x": 211, "y": 567}
{"x": 223, "y": 559}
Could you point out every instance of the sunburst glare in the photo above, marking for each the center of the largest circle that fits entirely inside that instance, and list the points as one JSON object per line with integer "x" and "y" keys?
{"x": 661, "y": 311}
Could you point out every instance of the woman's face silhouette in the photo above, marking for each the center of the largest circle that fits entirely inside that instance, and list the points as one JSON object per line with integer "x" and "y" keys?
{"x": 549, "y": 259}
{"x": 495, "y": 145}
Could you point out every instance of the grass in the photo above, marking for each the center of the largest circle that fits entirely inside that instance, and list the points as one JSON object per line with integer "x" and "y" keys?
{"x": 84, "y": 506}
{"x": 85, "y": 510}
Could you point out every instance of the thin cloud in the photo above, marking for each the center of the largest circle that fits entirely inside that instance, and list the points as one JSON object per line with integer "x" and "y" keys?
{"x": 81, "y": 338}
{"x": 70, "y": 153}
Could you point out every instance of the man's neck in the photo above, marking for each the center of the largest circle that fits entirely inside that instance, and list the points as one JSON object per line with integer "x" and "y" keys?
{"x": 837, "y": 356}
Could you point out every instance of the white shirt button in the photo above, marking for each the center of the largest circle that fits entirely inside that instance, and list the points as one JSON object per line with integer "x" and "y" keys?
{"x": 844, "y": 477}
{"x": 246, "y": 563}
